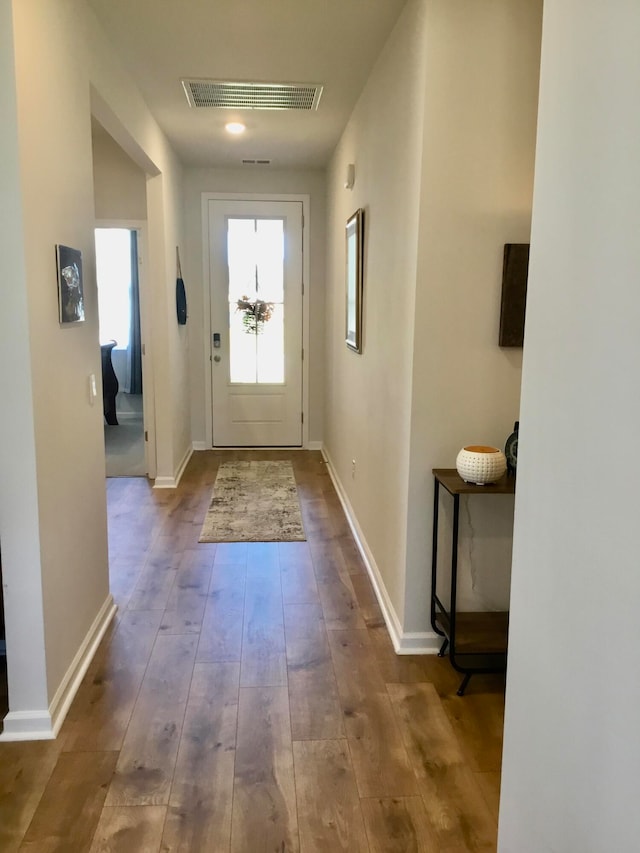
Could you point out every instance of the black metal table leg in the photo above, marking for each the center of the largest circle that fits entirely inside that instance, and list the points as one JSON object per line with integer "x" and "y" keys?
{"x": 434, "y": 558}
{"x": 454, "y": 578}
{"x": 463, "y": 684}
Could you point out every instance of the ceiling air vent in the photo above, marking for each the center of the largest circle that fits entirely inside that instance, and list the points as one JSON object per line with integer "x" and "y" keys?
{"x": 256, "y": 162}
{"x": 252, "y": 96}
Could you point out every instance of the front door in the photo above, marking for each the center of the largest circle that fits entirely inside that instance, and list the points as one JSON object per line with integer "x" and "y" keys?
{"x": 255, "y": 252}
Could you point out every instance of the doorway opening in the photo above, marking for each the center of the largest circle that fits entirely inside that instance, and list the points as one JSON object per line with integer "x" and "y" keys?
{"x": 118, "y": 277}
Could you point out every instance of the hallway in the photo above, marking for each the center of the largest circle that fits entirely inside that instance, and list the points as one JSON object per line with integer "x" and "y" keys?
{"x": 247, "y": 698}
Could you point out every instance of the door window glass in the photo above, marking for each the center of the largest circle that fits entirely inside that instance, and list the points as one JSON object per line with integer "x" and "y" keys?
{"x": 113, "y": 273}
{"x": 255, "y": 254}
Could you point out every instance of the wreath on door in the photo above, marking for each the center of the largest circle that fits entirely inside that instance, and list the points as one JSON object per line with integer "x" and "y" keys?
{"x": 255, "y": 314}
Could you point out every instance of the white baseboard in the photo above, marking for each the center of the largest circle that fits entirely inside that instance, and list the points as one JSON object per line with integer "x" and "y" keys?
{"x": 27, "y": 725}
{"x": 172, "y": 482}
{"x": 314, "y": 445}
{"x": 200, "y": 445}
{"x": 68, "y": 688}
{"x": 45, "y": 724}
{"x": 409, "y": 643}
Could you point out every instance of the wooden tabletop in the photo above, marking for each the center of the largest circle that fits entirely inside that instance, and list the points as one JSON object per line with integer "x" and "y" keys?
{"x": 455, "y": 485}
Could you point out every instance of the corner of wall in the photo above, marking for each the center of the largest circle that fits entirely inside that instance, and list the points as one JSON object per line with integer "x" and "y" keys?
{"x": 404, "y": 643}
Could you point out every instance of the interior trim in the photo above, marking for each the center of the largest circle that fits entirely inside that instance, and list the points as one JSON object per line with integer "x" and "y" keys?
{"x": 46, "y": 723}
{"x": 173, "y": 482}
{"x": 404, "y": 643}
{"x": 305, "y": 199}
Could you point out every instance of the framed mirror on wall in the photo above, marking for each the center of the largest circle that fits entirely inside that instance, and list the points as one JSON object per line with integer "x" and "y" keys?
{"x": 354, "y": 275}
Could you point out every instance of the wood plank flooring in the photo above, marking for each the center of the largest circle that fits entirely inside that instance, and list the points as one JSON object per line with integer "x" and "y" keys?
{"x": 247, "y": 699}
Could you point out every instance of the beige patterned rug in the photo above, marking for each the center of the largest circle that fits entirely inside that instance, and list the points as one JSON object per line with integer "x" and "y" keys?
{"x": 254, "y": 502}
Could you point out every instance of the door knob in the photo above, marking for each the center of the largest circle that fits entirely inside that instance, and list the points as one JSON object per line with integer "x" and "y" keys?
{"x": 217, "y": 358}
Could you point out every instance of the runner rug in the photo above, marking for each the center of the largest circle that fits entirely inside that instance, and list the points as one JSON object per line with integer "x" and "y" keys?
{"x": 254, "y": 502}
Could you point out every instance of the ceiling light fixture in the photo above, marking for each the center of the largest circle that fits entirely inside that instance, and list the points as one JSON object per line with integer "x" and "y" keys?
{"x": 235, "y": 127}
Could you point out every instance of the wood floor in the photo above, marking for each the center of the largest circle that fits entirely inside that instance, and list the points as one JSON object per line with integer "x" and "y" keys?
{"x": 247, "y": 698}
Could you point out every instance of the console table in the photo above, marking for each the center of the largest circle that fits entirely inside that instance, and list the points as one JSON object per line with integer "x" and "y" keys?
{"x": 477, "y": 642}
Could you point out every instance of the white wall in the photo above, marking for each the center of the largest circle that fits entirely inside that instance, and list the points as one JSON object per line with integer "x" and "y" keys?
{"x": 54, "y": 535}
{"x": 572, "y": 744}
{"x": 477, "y": 180}
{"x": 119, "y": 184}
{"x": 57, "y": 197}
{"x": 260, "y": 181}
{"x": 19, "y": 530}
{"x": 368, "y": 403}
{"x": 443, "y": 141}
{"x": 120, "y": 109}
{"x": 170, "y": 341}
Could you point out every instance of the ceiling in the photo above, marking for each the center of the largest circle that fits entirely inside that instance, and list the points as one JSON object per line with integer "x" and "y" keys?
{"x": 331, "y": 42}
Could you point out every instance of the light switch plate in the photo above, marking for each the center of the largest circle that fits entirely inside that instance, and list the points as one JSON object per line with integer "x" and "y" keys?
{"x": 93, "y": 391}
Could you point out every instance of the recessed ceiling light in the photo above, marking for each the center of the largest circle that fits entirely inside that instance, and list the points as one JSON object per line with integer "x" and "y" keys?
{"x": 235, "y": 127}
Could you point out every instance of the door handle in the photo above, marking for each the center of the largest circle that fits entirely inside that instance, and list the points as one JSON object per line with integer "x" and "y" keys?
{"x": 217, "y": 358}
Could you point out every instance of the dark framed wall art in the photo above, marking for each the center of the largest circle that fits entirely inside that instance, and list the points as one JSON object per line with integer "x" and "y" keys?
{"x": 515, "y": 271}
{"x": 70, "y": 292}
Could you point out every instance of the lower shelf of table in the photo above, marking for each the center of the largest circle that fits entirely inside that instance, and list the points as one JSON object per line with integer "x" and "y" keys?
{"x": 477, "y": 634}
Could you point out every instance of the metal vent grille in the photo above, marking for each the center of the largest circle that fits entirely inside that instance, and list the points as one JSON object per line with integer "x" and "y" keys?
{"x": 256, "y": 162}
{"x": 252, "y": 96}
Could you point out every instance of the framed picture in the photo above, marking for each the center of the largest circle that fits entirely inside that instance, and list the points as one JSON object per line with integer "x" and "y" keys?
{"x": 515, "y": 271}
{"x": 70, "y": 293}
{"x": 355, "y": 263}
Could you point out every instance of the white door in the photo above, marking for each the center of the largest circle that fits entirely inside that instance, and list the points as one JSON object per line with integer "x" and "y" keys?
{"x": 255, "y": 257}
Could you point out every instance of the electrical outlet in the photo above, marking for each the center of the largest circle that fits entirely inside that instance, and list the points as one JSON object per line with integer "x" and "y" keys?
{"x": 353, "y": 469}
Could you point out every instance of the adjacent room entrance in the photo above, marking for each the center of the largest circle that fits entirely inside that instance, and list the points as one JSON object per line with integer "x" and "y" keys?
{"x": 255, "y": 269}
{"x": 118, "y": 261}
